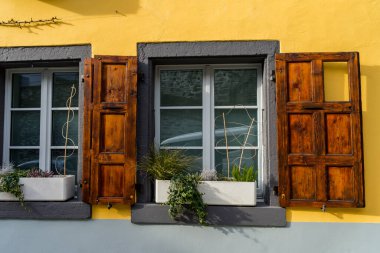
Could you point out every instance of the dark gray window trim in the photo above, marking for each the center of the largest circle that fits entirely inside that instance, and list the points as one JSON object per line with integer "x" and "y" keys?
{"x": 151, "y": 54}
{"x": 49, "y": 56}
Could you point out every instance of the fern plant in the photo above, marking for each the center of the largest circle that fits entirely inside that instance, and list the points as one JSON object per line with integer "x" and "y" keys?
{"x": 244, "y": 174}
{"x": 184, "y": 195}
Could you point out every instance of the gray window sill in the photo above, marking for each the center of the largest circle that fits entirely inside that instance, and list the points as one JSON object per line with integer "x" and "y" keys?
{"x": 68, "y": 210}
{"x": 260, "y": 215}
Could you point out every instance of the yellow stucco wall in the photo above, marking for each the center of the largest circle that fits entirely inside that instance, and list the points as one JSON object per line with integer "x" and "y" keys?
{"x": 115, "y": 26}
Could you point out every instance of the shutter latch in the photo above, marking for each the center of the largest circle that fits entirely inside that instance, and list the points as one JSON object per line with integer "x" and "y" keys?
{"x": 273, "y": 76}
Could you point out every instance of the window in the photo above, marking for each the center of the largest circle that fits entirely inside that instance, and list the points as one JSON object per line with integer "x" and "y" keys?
{"x": 36, "y": 111}
{"x": 207, "y": 56}
{"x": 207, "y": 110}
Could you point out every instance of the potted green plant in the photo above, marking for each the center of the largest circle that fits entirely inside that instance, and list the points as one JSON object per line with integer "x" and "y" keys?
{"x": 162, "y": 165}
{"x": 184, "y": 194}
{"x": 34, "y": 185}
{"x": 239, "y": 190}
{"x": 10, "y": 188}
{"x": 175, "y": 185}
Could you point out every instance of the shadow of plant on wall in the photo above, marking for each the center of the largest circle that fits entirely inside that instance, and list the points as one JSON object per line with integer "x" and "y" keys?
{"x": 96, "y": 7}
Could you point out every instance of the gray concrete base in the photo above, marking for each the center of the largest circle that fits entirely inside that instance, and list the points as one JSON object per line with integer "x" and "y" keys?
{"x": 69, "y": 210}
{"x": 260, "y": 216}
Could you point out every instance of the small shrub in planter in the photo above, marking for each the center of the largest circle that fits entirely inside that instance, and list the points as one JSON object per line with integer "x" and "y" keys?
{"x": 181, "y": 191}
{"x": 163, "y": 164}
{"x": 9, "y": 182}
{"x": 35, "y": 185}
{"x": 184, "y": 195}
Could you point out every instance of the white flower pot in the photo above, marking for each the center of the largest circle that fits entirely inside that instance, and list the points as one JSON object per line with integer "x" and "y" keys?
{"x": 216, "y": 192}
{"x": 57, "y": 188}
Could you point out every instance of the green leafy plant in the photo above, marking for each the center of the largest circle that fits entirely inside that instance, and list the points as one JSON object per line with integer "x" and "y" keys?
{"x": 184, "y": 195}
{"x": 244, "y": 174}
{"x": 9, "y": 182}
{"x": 165, "y": 164}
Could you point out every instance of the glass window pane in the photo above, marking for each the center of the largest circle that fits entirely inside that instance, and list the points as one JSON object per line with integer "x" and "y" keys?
{"x": 250, "y": 158}
{"x": 59, "y": 128}
{"x": 62, "y": 84}
{"x": 196, "y": 154}
{"x": 25, "y": 128}
{"x": 26, "y": 90}
{"x": 57, "y": 161}
{"x": 25, "y": 158}
{"x": 235, "y": 87}
{"x": 181, "y": 87}
{"x": 238, "y": 122}
{"x": 181, "y": 128}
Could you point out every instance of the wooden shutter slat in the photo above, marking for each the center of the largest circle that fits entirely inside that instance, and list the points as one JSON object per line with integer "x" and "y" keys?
{"x": 87, "y": 126}
{"x": 319, "y": 143}
{"x": 112, "y": 158}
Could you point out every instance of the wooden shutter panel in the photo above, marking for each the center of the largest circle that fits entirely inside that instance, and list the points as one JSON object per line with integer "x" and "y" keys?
{"x": 109, "y": 141}
{"x": 319, "y": 142}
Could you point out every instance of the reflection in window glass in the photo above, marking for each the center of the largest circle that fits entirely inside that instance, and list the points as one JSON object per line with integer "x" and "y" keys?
{"x": 235, "y": 87}
{"x": 181, "y": 87}
{"x": 24, "y": 158}
{"x": 238, "y": 123}
{"x": 250, "y": 158}
{"x": 26, "y": 90}
{"x": 25, "y": 128}
{"x": 62, "y": 83}
{"x": 59, "y": 128}
{"x": 57, "y": 161}
{"x": 181, "y": 128}
{"x": 196, "y": 155}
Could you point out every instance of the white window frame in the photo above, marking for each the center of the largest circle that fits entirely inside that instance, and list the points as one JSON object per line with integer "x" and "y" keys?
{"x": 45, "y": 109}
{"x": 208, "y": 117}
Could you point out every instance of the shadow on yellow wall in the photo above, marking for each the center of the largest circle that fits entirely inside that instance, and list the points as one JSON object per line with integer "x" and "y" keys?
{"x": 96, "y": 7}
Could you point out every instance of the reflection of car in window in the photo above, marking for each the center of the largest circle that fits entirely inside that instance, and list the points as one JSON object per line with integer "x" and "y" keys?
{"x": 198, "y": 135}
{"x": 56, "y": 165}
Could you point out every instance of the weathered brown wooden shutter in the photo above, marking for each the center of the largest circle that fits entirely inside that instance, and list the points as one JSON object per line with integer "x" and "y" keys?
{"x": 319, "y": 142}
{"x": 109, "y": 138}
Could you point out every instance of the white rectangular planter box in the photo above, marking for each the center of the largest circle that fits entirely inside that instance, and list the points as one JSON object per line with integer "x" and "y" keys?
{"x": 57, "y": 188}
{"x": 216, "y": 192}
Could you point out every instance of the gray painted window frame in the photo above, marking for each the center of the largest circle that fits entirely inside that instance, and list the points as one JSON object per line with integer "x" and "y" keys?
{"x": 211, "y": 52}
{"x": 45, "y": 56}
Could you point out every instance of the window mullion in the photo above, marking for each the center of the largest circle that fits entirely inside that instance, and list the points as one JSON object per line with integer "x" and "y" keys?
{"x": 44, "y": 121}
{"x": 157, "y": 110}
{"x": 212, "y": 118}
{"x": 7, "y": 117}
{"x": 207, "y": 114}
{"x": 260, "y": 132}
